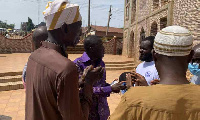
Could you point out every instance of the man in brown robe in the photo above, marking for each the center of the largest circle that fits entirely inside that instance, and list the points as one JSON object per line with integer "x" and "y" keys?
{"x": 52, "y": 79}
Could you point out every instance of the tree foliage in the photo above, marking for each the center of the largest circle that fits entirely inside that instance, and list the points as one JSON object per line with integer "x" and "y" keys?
{"x": 7, "y": 26}
{"x": 30, "y": 24}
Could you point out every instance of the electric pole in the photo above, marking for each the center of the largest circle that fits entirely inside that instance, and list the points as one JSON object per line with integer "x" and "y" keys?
{"x": 38, "y": 11}
{"x": 89, "y": 16}
{"x": 109, "y": 17}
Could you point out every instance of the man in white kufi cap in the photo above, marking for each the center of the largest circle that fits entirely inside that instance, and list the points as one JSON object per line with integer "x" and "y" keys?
{"x": 52, "y": 79}
{"x": 174, "y": 98}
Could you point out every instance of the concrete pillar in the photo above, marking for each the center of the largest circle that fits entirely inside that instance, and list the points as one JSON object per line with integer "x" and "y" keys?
{"x": 129, "y": 30}
{"x": 170, "y": 13}
{"x": 114, "y": 46}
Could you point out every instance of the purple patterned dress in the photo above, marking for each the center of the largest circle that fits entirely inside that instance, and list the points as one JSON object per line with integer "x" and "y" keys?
{"x": 101, "y": 90}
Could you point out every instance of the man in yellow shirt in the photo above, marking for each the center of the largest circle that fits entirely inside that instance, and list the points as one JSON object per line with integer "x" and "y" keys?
{"x": 174, "y": 98}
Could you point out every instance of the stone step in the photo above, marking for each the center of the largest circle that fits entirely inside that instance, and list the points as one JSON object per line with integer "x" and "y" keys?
{"x": 11, "y": 86}
{"x": 120, "y": 65}
{"x": 124, "y": 65}
{"x": 13, "y": 80}
{"x": 75, "y": 48}
{"x": 79, "y": 49}
{"x": 75, "y": 52}
{"x": 6, "y": 79}
{"x": 123, "y": 62}
{"x": 10, "y": 74}
{"x": 121, "y": 68}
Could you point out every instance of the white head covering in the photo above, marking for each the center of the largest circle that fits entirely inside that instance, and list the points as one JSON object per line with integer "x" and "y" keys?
{"x": 173, "y": 41}
{"x": 59, "y": 12}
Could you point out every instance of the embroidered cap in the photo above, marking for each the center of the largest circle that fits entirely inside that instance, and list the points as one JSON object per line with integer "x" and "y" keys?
{"x": 173, "y": 41}
{"x": 59, "y": 12}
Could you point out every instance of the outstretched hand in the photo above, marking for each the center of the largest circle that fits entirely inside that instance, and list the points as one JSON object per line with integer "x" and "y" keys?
{"x": 129, "y": 80}
{"x": 118, "y": 86}
{"x": 93, "y": 74}
{"x": 154, "y": 82}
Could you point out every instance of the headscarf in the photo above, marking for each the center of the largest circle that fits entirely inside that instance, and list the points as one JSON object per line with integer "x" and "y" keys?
{"x": 59, "y": 12}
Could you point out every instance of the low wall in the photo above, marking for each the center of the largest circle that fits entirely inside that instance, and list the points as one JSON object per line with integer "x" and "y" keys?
{"x": 114, "y": 46}
{"x": 23, "y": 45}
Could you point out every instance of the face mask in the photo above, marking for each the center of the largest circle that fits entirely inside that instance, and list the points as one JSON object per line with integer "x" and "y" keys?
{"x": 194, "y": 68}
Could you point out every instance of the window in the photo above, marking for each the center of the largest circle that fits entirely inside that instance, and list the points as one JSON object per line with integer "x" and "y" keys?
{"x": 127, "y": 1}
{"x": 155, "y": 4}
{"x": 133, "y": 11}
{"x": 163, "y": 2}
{"x": 154, "y": 29}
{"x": 142, "y": 35}
{"x": 127, "y": 12}
{"x": 163, "y": 22}
{"x": 132, "y": 44}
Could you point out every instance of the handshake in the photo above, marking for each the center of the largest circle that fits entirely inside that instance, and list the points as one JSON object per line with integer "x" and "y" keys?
{"x": 138, "y": 80}
{"x": 91, "y": 75}
{"x": 130, "y": 79}
{"x": 126, "y": 80}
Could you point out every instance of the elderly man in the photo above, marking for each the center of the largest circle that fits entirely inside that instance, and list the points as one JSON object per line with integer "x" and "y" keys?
{"x": 94, "y": 52}
{"x": 174, "y": 98}
{"x": 194, "y": 66}
{"x": 52, "y": 79}
{"x": 40, "y": 34}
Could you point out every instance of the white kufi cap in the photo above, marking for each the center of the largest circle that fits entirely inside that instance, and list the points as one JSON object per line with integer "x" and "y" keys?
{"x": 173, "y": 41}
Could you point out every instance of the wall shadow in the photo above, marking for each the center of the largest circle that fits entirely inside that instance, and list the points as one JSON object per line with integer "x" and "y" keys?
{"x": 3, "y": 117}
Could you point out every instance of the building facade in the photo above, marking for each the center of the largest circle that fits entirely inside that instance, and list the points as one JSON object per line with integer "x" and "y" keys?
{"x": 146, "y": 17}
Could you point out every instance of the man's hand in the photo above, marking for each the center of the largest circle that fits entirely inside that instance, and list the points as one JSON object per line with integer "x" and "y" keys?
{"x": 81, "y": 81}
{"x": 139, "y": 79}
{"x": 93, "y": 74}
{"x": 154, "y": 82}
{"x": 117, "y": 87}
{"x": 129, "y": 81}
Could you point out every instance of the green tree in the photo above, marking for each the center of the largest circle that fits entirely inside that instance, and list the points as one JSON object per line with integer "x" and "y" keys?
{"x": 11, "y": 26}
{"x": 30, "y": 25}
{"x": 5, "y": 25}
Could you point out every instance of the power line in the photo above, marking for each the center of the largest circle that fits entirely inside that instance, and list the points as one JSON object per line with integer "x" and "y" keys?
{"x": 109, "y": 17}
{"x": 89, "y": 16}
{"x": 38, "y": 11}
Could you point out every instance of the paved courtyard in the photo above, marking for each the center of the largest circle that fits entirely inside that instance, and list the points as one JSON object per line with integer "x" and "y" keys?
{"x": 15, "y": 62}
{"x": 12, "y": 103}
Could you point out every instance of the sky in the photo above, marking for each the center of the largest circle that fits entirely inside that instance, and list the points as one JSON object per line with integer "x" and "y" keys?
{"x": 17, "y": 11}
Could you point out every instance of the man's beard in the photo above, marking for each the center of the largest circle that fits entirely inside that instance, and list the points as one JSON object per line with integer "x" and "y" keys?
{"x": 146, "y": 57}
